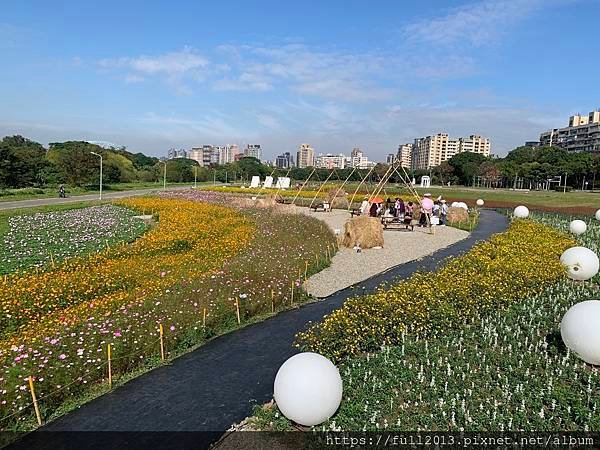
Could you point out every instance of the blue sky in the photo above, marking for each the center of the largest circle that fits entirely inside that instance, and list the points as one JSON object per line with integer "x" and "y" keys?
{"x": 338, "y": 74}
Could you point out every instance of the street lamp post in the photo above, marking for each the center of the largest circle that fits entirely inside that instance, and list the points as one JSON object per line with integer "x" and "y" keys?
{"x": 98, "y": 154}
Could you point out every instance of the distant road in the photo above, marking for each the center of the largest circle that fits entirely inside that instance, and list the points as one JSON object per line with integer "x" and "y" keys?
{"x": 82, "y": 198}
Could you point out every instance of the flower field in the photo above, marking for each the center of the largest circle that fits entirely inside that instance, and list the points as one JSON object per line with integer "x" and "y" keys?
{"x": 518, "y": 263}
{"x": 187, "y": 274}
{"x": 506, "y": 371}
{"x": 46, "y": 237}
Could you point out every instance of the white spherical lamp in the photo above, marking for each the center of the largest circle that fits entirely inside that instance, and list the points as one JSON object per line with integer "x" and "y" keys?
{"x": 521, "y": 212}
{"x": 308, "y": 389}
{"x": 480, "y": 202}
{"x": 598, "y": 215}
{"x": 581, "y": 263}
{"x": 577, "y": 227}
{"x": 580, "y": 330}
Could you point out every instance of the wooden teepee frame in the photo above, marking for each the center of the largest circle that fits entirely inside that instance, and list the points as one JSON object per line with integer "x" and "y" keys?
{"x": 303, "y": 184}
{"x": 321, "y": 187}
{"x": 358, "y": 187}
{"x": 343, "y": 184}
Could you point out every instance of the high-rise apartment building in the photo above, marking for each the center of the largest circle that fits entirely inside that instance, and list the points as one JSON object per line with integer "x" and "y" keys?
{"x": 390, "y": 158}
{"x": 254, "y": 151}
{"x": 404, "y": 155}
{"x": 231, "y": 151}
{"x": 203, "y": 155}
{"x": 284, "y": 161}
{"x": 431, "y": 151}
{"x": 330, "y": 161}
{"x": 176, "y": 153}
{"x": 582, "y": 134}
{"x": 305, "y": 156}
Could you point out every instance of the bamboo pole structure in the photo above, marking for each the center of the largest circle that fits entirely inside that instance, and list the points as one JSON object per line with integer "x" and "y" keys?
{"x": 342, "y": 186}
{"x": 406, "y": 180}
{"x": 162, "y": 344}
{"x": 38, "y": 416}
{"x": 109, "y": 366}
{"x": 303, "y": 184}
{"x": 321, "y": 187}
{"x": 358, "y": 187}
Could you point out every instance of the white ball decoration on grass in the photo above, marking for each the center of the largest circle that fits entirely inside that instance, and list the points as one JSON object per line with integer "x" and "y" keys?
{"x": 480, "y": 202}
{"x": 598, "y": 215}
{"x": 581, "y": 263}
{"x": 580, "y": 330}
{"x": 578, "y": 227}
{"x": 308, "y": 389}
{"x": 462, "y": 205}
{"x": 521, "y": 212}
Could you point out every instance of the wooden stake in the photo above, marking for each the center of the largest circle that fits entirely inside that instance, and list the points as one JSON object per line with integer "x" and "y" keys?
{"x": 35, "y": 402}
{"x": 109, "y": 367}
{"x": 204, "y": 318}
{"x": 237, "y": 310}
{"x": 292, "y": 296}
{"x": 162, "y": 344}
{"x": 52, "y": 259}
{"x": 272, "y": 302}
{"x": 305, "y": 269}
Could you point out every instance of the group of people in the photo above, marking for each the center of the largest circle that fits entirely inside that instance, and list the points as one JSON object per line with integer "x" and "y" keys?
{"x": 430, "y": 210}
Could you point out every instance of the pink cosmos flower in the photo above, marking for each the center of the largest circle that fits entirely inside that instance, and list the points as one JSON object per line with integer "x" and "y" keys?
{"x": 62, "y": 356}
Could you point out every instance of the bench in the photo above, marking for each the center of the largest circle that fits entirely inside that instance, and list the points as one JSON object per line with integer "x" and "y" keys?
{"x": 394, "y": 223}
{"x": 325, "y": 207}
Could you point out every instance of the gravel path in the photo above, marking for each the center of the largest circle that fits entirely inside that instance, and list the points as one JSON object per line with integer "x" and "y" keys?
{"x": 348, "y": 267}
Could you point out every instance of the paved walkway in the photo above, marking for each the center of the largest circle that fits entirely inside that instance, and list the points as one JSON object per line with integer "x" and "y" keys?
{"x": 81, "y": 198}
{"x": 216, "y": 385}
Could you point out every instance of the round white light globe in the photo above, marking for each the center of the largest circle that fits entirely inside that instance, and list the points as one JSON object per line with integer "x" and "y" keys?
{"x": 480, "y": 202}
{"x": 580, "y": 330}
{"x": 521, "y": 212}
{"x": 308, "y": 389}
{"x": 578, "y": 227}
{"x": 459, "y": 205}
{"x": 598, "y": 215}
{"x": 581, "y": 263}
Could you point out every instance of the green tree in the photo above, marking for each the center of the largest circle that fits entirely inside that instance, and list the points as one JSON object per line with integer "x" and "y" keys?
{"x": 21, "y": 162}
{"x": 466, "y": 166}
{"x": 74, "y": 161}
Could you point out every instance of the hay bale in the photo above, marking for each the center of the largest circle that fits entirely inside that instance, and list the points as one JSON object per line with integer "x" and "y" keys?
{"x": 364, "y": 231}
{"x": 337, "y": 201}
{"x": 268, "y": 202}
{"x": 457, "y": 214}
{"x": 286, "y": 209}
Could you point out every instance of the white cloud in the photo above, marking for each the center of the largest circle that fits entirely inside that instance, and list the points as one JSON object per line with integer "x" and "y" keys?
{"x": 170, "y": 64}
{"x": 475, "y": 24}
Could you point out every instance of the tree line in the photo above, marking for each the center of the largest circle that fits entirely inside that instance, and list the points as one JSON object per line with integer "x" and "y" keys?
{"x": 26, "y": 163}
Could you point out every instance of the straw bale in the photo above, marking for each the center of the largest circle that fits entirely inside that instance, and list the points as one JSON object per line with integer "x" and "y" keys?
{"x": 364, "y": 231}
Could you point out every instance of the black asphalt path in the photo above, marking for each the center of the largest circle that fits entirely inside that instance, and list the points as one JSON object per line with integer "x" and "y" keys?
{"x": 216, "y": 385}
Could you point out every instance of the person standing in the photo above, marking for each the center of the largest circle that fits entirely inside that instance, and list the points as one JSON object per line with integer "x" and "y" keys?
{"x": 364, "y": 207}
{"x": 426, "y": 210}
{"x": 408, "y": 216}
{"x": 443, "y": 212}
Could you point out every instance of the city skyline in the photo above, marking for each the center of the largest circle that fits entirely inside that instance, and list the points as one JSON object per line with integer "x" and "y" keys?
{"x": 338, "y": 75}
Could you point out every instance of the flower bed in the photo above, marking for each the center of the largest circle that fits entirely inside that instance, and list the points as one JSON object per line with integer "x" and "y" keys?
{"x": 516, "y": 264}
{"x": 34, "y": 240}
{"x": 506, "y": 371}
{"x": 187, "y": 274}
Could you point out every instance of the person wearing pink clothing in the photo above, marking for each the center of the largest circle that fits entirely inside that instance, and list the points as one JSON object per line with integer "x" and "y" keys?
{"x": 426, "y": 210}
